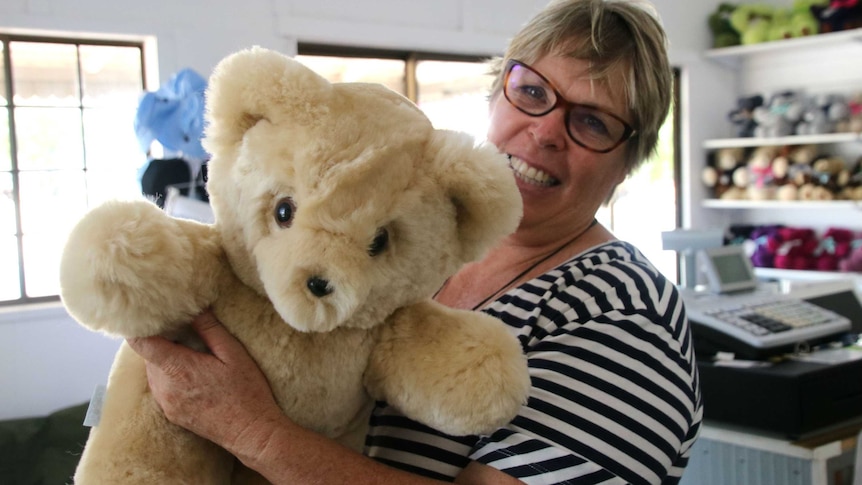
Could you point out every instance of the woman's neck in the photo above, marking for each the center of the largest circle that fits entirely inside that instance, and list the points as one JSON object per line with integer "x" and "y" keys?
{"x": 516, "y": 260}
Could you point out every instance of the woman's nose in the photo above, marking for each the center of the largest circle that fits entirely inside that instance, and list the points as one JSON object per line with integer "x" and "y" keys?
{"x": 549, "y": 130}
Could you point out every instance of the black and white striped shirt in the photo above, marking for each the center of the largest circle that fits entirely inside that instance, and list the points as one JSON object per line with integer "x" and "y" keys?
{"x": 615, "y": 394}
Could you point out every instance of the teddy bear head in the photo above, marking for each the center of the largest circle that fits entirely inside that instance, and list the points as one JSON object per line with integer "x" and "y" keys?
{"x": 340, "y": 202}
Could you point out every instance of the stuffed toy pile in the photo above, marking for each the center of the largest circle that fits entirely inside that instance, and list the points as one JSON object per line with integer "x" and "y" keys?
{"x": 339, "y": 211}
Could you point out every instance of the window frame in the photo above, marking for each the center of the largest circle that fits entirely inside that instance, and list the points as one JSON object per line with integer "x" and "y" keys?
{"x": 5, "y": 39}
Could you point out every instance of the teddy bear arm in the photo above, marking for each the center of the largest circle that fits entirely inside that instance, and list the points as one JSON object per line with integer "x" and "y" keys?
{"x": 458, "y": 371}
{"x": 130, "y": 270}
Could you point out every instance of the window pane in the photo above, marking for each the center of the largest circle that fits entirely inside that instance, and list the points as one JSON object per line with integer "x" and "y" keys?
{"x": 49, "y": 138}
{"x": 109, "y": 137}
{"x": 119, "y": 183}
{"x": 5, "y": 154}
{"x": 3, "y": 100}
{"x": 51, "y": 202}
{"x": 10, "y": 289}
{"x": 42, "y": 262}
{"x": 111, "y": 76}
{"x": 454, "y": 95}
{"x": 389, "y": 72}
{"x": 44, "y": 74}
{"x": 7, "y": 206}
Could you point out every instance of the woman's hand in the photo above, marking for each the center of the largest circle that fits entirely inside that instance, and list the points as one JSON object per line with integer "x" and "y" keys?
{"x": 221, "y": 396}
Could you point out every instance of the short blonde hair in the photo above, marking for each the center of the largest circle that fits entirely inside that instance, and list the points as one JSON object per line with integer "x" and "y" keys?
{"x": 622, "y": 40}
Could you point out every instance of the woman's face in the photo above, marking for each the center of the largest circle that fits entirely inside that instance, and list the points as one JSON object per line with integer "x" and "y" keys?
{"x": 561, "y": 182}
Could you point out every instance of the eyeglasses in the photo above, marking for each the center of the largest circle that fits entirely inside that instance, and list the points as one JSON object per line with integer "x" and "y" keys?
{"x": 588, "y": 126}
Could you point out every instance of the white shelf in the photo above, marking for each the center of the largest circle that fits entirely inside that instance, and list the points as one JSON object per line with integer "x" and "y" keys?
{"x": 731, "y": 55}
{"x": 783, "y": 140}
{"x": 781, "y": 204}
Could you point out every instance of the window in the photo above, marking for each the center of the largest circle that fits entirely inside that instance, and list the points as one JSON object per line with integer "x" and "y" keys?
{"x": 451, "y": 90}
{"x": 453, "y": 93}
{"x": 67, "y": 143}
{"x": 647, "y": 203}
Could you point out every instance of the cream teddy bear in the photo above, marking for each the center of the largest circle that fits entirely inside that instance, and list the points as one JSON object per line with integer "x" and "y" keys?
{"x": 339, "y": 211}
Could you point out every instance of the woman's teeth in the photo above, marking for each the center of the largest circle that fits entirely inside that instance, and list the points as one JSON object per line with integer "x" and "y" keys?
{"x": 530, "y": 174}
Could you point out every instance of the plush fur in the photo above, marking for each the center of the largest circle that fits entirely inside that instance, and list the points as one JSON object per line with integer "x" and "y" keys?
{"x": 339, "y": 211}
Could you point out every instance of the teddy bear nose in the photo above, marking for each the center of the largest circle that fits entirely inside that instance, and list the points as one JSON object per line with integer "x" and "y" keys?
{"x": 318, "y": 286}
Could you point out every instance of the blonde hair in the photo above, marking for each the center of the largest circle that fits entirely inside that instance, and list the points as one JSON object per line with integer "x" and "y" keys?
{"x": 626, "y": 48}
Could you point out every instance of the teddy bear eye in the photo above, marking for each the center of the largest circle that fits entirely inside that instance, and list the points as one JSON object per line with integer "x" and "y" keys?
{"x": 284, "y": 212}
{"x": 380, "y": 242}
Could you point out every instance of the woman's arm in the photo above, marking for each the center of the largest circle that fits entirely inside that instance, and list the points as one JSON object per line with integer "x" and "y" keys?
{"x": 223, "y": 397}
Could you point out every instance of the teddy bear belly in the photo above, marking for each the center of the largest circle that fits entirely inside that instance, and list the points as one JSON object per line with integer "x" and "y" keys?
{"x": 315, "y": 377}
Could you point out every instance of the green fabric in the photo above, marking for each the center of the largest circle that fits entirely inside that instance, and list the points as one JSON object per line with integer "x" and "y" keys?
{"x": 43, "y": 450}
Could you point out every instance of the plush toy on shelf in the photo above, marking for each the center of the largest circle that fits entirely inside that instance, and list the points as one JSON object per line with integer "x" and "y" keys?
{"x": 802, "y": 19}
{"x": 760, "y": 177}
{"x": 853, "y": 123}
{"x": 779, "y": 116}
{"x": 766, "y": 242}
{"x": 723, "y": 34}
{"x": 743, "y": 115}
{"x": 835, "y": 245}
{"x": 753, "y": 22}
{"x": 853, "y": 261}
{"x": 839, "y": 15}
{"x": 725, "y": 174}
{"x": 829, "y": 175}
{"x": 795, "y": 248}
{"x": 792, "y": 168}
{"x": 853, "y": 189}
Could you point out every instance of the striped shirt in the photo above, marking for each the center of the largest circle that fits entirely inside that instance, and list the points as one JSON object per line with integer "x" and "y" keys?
{"x": 615, "y": 393}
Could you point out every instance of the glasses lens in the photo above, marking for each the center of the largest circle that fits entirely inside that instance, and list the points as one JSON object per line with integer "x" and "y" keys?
{"x": 595, "y": 129}
{"x": 527, "y": 91}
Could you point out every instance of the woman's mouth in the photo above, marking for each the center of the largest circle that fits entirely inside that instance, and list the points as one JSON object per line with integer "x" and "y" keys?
{"x": 530, "y": 175}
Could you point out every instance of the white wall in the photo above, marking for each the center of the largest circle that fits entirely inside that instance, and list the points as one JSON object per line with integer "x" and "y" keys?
{"x": 46, "y": 360}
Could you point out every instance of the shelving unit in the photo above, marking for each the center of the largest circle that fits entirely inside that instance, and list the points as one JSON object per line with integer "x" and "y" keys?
{"x": 731, "y": 56}
{"x": 824, "y": 139}
{"x": 824, "y": 63}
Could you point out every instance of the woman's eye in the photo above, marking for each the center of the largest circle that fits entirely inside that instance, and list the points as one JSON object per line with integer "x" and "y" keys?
{"x": 284, "y": 210}
{"x": 591, "y": 123}
{"x": 379, "y": 243}
{"x": 536, "y": 93}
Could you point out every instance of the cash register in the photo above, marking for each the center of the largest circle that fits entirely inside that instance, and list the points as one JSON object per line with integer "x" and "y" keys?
{"x": 758, "y": 344}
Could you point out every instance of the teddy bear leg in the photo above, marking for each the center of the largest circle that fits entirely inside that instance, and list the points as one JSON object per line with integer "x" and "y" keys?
{"x": 458, "y": 371}
{"x": 133, "y": 443}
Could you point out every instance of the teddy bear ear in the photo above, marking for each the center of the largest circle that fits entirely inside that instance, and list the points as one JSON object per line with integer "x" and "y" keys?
{"x": 482, "y": 188}
{"x": 256, "y": 84}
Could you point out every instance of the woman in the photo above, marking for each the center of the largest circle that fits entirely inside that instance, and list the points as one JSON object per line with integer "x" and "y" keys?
{"x": 579, "y": 98}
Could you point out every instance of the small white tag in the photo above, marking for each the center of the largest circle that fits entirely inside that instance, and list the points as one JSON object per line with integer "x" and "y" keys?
{"x": 94, "y": 411}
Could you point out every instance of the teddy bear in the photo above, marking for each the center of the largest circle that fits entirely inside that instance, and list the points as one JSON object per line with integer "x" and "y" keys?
{"x": 761, "y": 185}
{"x": 791, "y": 169}
{"x": 725, "y": 173}
{"x": 339, "y": 210}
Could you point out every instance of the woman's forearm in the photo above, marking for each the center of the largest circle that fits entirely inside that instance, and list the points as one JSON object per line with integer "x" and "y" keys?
{"x": 285, "y": 453}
